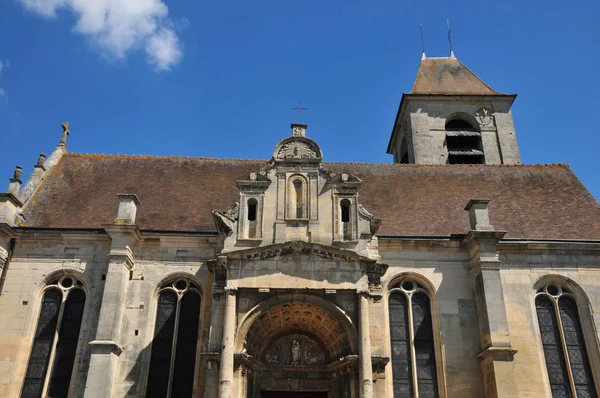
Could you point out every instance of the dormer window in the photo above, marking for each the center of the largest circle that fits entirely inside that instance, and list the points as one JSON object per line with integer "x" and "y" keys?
{"x": 464, "y": 143}
{"x": 298, "y": 198}
{"x": 252, "y": 208}
{"x": 345, "y": 206}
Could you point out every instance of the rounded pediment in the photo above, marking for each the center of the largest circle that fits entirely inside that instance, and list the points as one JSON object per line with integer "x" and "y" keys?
{"x": 297, "y": 148}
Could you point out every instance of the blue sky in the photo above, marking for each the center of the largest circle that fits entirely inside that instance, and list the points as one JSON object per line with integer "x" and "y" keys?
{"x": 219, "y": 78}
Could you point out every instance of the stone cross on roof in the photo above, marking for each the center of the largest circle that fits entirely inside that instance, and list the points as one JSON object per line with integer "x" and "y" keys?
{"x": 66, "y": 132}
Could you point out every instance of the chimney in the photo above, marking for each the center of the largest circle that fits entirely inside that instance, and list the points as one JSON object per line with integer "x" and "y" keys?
{"x": 478, "y": 215}
{"x": 128, "y": 204}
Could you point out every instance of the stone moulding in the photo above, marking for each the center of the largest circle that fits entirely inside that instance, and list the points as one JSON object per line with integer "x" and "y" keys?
{"x": 378, "y": 363}
{"x": 505, "y": 354}
{"x": 108, "y": 346}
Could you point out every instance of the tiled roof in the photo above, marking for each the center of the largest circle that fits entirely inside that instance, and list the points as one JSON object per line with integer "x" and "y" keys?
{"x": 178, "y": 194}
{"x": 446, "y": 76}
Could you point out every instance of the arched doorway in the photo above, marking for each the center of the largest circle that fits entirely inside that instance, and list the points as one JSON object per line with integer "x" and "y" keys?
{"x": 298, "y": 346}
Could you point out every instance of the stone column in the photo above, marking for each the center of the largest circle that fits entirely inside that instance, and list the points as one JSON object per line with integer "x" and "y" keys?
{"x": 228, "y": 346}
{"x": 365, "y": 365}
{"x": 106, "y": 348}
{"x": 497, "y": 354}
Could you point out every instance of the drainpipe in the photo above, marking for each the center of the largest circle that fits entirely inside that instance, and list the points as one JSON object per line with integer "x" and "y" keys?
{"x": 5, "y": 269}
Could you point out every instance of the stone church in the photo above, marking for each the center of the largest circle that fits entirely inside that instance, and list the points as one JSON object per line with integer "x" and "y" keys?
{"x": 453, "y": 272}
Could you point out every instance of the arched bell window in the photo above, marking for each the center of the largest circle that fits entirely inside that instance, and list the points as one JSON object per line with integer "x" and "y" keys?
{"x": 413, "y": 359}
{"x": 565, "y": 353}
{"x": 463, "y": 142}
{"x": 175, "y": 343}
{"x": 55, "y": 341}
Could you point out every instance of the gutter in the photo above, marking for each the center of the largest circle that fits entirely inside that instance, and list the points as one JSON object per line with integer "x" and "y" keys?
{"x": 11, "y": 249}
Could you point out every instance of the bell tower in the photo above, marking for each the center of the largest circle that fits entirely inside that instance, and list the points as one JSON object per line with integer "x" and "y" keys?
{"x": 452, "y": 117}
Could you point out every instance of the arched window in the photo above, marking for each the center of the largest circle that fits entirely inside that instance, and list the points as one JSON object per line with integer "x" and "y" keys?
{"x": 298, "y": 190}
{"x": 346, "y": 222}
{"x": 404, "y": 151}
{"x": 411, "y": 335}
{"x": 56, "y": 338}
{"x": 252, "y": 207}
{"x": 173, "y": 358}
{"x": 566, "y": 357}
{"x": 464, "y": 143}
{"x": 298, "y": 198}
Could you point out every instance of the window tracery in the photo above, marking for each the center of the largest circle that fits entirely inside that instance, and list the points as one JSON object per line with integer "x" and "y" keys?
{"x": 411, "y": 333}
{"x": 174, "y": 346}
{"x": 565, "y": 353}
{"x": 55, "y": 341}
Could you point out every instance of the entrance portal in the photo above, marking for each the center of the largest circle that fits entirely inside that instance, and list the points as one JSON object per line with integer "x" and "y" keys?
{"x": 293, "y": 394}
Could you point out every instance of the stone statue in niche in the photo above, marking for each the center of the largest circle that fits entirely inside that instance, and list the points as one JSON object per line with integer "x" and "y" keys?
{"x": 295, "y": 352}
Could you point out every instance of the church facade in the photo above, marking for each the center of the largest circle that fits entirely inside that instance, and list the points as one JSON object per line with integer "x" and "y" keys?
{"x": 456, "y": 271}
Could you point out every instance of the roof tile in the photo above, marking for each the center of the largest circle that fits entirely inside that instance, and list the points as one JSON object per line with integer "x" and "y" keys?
{"x": 178, "y": 194}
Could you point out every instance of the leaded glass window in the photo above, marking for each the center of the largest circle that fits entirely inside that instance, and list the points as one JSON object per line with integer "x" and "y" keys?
{"x": 174, "y": 347}
{"x": 411, "y": 332}
{"x": 55, "y": 341}
{"x": 565, "y": 354}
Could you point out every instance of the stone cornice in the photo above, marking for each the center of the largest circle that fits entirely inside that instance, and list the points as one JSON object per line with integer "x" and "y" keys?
{"x": 12, "y": 198}
{"x": 123, "y": 230}
{"x": 107, "y": 345}
{"x": 498, "y": 354}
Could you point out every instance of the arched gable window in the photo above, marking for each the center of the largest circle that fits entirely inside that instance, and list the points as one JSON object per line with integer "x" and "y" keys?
{"x": 345, "y": 207}
{"x": 463, "y": 142}
{"x": 174, "y": 347}
{"x": 298, "y": 198}
{"x": 565, "y": 353}
{"x": 252, "y": 209}
{"x": 55, "y": 342}
{"x": 411, "y": 333}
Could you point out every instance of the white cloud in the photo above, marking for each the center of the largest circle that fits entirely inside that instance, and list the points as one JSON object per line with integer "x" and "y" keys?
{"x": 121, "y": 26}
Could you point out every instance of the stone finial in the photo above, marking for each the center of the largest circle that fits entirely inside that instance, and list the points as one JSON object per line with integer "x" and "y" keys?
{"x": 18, "y": 173}
{"x": 478, "y": 215}
{"x": 15, "y": 183}
{"x": 128, "y": 204}
{"x": 298, "y": 130}
{"x": 66, "y": 132}
{"x": 41, "y": 159}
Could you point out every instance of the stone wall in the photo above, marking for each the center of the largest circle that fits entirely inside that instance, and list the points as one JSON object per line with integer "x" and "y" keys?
{"x": 440, "y": 265}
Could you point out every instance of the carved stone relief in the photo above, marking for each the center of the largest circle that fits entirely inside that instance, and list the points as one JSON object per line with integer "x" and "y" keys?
{"x": 296, "y": 150}
{"x": 294, "y": 349}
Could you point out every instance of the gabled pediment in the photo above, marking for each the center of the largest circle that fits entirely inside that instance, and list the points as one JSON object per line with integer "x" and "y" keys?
{"x": 298, "y": 247}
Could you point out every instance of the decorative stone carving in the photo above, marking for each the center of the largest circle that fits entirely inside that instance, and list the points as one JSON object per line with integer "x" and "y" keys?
{"x": 18, "y": 173}
{"x": 296, "y": 150}
{"x": 295, "y": 352}
{"x": 301, "y": 350}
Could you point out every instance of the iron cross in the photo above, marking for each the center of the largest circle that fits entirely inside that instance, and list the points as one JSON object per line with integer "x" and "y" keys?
{"x": 298, "y": 108}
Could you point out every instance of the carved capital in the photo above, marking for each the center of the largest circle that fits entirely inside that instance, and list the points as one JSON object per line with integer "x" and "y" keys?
{"x": 378, "y": 363}
{"x": 211, "y": 360}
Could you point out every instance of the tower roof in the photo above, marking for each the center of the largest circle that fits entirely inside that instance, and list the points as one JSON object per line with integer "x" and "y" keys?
{"x": 448, "y": 76}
